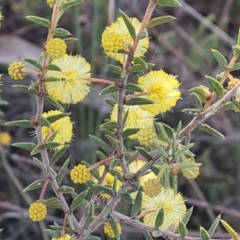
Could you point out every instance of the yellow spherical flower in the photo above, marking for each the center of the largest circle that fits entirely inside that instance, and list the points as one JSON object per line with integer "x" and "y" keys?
{"x": 116, "y": 37}
{"x": 172, "y": 205}
{"x": 62, "y": 126}
{"x": 108, "y": 229}
{"x": 37, "y": 211}
{"x": 162, "y": 88}
{"x": 152, "y": 187}
{"x": 108, "y": 180}
{"x": 72, "y": 86}
{"x": 66, "y": 237}
{"x": 137, "y": 118}
{"x": 80, "y": 174}
{"x": 5, "y": 138}
{"x": 15, "y": 70}
{"x": 56, "y": 48}
{"x": 146, "y": 136}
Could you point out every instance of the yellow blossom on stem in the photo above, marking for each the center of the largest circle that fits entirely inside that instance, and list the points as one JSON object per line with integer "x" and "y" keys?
{"x": 71, "y": 85}
{"x": 15, "y": 70}
{"x": 56, "y": 48}
{"x": 117, "y": 38}
{"x": 137, "y": 118}
{"x": 62, "y": 126}
{"x": 108, "y": 229}
{"x": 152, "y": 187}
{"x": 172, "y": 205}
{"x": 5, "y": 138}
{"x": 66, "y": 237}
{"x": 37, "y": 211}
{"x": 80, "y": 174}
{"x": 162, "y": 88}
{"x": 146, "y": 136}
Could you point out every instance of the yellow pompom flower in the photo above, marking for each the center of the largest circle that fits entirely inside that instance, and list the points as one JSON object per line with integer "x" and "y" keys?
{"x": 67, "y": 237}
{"x": 15, "y": 70}
{"x": 172, "y": 205}
{"x": 71, "y": 85}
{"x": 116, "y": 37}
{"x": 62, "y": 126}
{"x": 37, "y": 211}
{"x": 5, "y": 138}
{"x": 162, "y": 88}
{"x": 56, "y": 48}
{"x": 146, "y": 136}
{"x": 108, "y": 180}
{"x": 137, "y": 118}
{"x": 108, "y": 229}
{"x": 80, "y": 174}
{"x": 152, "y": 187}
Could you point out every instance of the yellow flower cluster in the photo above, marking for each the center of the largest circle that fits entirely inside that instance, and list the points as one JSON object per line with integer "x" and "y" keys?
{"x": 116, "y": 37}
{"x": 80, "y": 174}
{"x": 146, "y": 136}
{"x": 15, "y": 70}
{"x": 62, "y": 126}
{"x": 67, "y": 237}
{"x": 71, "y": 85}
{"x": 37, "y": 211}
{"x": 152, "y": 187}
{"x": 172, "y": 205}
{"x": 5, "y": 138}
{"x": 108, "y": 229}
{"x": 56, "y": 48}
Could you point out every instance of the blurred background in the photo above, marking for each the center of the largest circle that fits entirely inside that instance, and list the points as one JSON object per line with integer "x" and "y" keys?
{"x": 182, "y": 47}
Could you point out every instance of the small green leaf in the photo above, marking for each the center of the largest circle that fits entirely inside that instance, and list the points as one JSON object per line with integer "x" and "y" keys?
{"x": 50, "y": 145}
{"x": 103, "y": 189}
{"x": 182, "y": 229}
{"x": 163, "y": 131}
{"x": 91, "y": 237}
{"x": 110, "y": 102}
{"x": 230, "y": 230}
{"x": 58, "y": 154}
{"x": 220, "y": 59}
{"x": 44, "y": 122}
{"x": 206, "y": 128}
{"x": 41, "y": 21}
{"x": 112, "y": 140}
{"x": 187, "y": 216}
{"x": 34, "y": 185}
{"x": 204, "y": 234}
{"x": 66, "y": 189}
{"x": 110, "y": 125}
{"x": 19, "y": 123}
{"x": 114, "y": 228}
{"x": 214, "y": 225}
{"x": 109, "y": 89}
{"x": 236, "y": 50}
{"x": 161, "y": 150}
{"x": 129, "y": 24}
{"x": 33, "y": 62}
{"x": 39, "y": 163}
{"x": 54, "y": 103}
{"x": 130, "y": 131}
{"x": 191, "y": 111}
{"x": 199, "y": 91}
{"x": 146, "y": 167}
{"x": 61, "y": 174}
{"x": 127, "y": 197}
{"x": 215, "y": 86}
{"x": 77, "y": 200}
{"x": 56, "y": 117}
{"x": 70, "y": 40}
{"x": 159, "y": 219}
{"x": 54, "y": 67}
{"x": 137, "y": 68}
{"x": 61, "y": 32}
{"x": 169, "y": 3}
{"x": 104, "y": 146}
{"x": 144, "y": 152}
{"x": 70, "y": 3}
{"x": 236, "y": 66}
{"x": 139, "y": 60}
{"x": 25, "y": 89}
{"x": 51, "y": 233}
{"x": 52, "y": 202}
{"x": 160, "y": 20}
{"x": 138, "y": 101}
{"x": 115, "y": 69}
{"x": 133, "y": 87}
{"x": 137, "y": 205}
{"x": 196, "y": 101}
{"x": 147, "y": 235}
{"x": 101, "y": 155}
{"x": 24, "y": 145}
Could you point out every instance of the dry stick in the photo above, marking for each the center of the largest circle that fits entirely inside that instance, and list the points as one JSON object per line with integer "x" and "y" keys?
{"x": 120, "y": 146}
{"x": 40, "y": 104}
